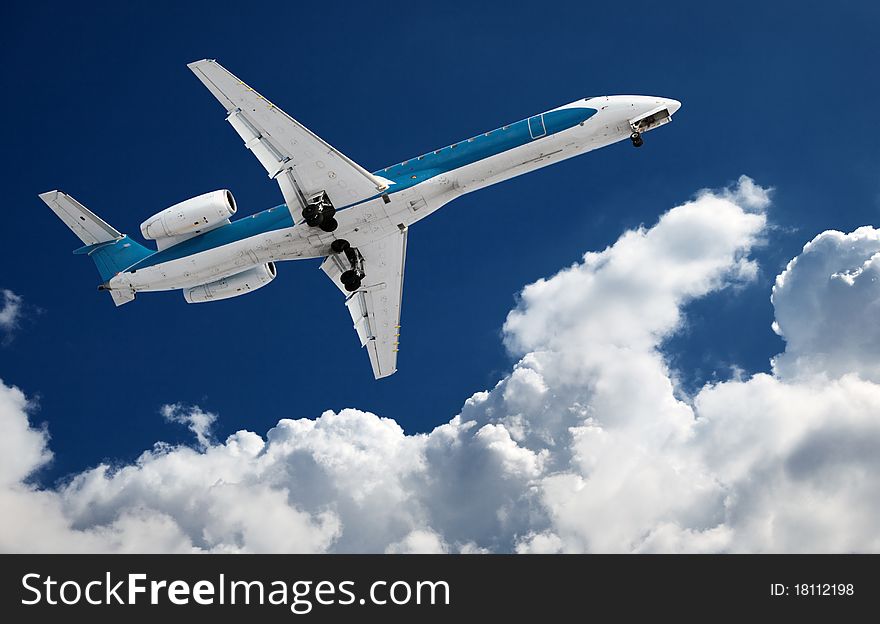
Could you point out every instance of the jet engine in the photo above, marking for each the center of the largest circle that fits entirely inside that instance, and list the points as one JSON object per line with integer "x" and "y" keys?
{"x": 190, "y": 216}
{"x": 232, "y": 286}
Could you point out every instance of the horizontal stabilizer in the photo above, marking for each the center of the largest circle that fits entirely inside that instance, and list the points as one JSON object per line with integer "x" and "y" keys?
{"x": 112, "y": 251}
{"x": 89, "y": 227}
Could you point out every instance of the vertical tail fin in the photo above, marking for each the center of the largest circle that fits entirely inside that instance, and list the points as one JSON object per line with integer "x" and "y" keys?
{"x": 114, "y": 256}
{"x": 111, "y": 250}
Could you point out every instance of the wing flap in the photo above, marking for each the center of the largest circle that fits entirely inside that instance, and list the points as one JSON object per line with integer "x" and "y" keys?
{"x": 302, "y": 162}
{"x": 260, "y": 146}
{"x": 375, "y": 306}
{"x": 360, "y": 316}
{"x": 376, "y": 318}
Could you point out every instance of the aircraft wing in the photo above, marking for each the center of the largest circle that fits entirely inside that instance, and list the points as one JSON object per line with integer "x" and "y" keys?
{"x": 301, "y": 162}
{"x": 375, "y": 306}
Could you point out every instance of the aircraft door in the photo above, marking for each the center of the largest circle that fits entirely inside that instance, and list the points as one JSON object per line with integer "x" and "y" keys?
{"x": 536, "y": 126}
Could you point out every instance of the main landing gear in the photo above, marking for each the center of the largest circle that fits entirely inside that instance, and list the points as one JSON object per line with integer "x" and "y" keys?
{"x": 352, "y": 278}
{"x": 636, "y": 138}
{"x": 320, "y": 213}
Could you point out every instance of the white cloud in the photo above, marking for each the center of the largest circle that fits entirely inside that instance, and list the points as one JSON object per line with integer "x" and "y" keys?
{"x": 585, "y": 446}
{"x": 195, "y": 419}
{"x": 632, "y": 292}
{"x": 418, "y": 542}
{"x": 827, "y": 307}
{"x": 539, "y": 544}
{"x": 22, "y": 448}
{"x": 35, "y": 520}
{"x": 10, "y": 313}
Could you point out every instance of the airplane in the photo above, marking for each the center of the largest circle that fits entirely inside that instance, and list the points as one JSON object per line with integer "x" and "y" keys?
{"x": 355, "y": 220}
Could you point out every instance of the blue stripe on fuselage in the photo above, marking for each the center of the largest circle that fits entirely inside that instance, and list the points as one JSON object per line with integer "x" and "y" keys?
{"x": 417, "y": 170}
{"x": 404, "y": 175}
{"x": 276, "y": 218}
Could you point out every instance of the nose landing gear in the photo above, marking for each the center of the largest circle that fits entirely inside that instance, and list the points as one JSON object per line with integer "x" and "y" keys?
{"x": 636, "y": 138}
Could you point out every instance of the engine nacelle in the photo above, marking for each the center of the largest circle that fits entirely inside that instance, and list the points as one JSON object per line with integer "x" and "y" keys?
{"x": 190, "y": 216}
{"x": 232, "y": 286}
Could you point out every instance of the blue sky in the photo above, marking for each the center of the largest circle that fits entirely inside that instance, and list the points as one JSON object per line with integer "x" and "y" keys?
{"x": 103, "y": 107}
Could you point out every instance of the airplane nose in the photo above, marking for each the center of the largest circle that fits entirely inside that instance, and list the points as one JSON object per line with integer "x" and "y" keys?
{"x": 672, "y": 106}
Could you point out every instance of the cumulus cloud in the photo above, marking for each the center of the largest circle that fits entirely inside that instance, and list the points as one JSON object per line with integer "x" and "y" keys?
{"x": 827, "y": 307}
{"x": 632, "y": 293}
{"x": 35, "y": 520}
{"x": 585, "y": 446}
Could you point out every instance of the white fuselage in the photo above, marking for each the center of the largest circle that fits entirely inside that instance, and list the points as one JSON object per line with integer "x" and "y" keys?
{"x": 371, "y": 219}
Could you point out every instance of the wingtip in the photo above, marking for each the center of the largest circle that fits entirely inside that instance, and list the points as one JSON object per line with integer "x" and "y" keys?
{"x": 47, "y": 195}
{"x": 195, "y": 64}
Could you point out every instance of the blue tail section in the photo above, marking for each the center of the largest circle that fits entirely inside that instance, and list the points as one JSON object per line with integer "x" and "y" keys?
{"x": 115, "y": 256}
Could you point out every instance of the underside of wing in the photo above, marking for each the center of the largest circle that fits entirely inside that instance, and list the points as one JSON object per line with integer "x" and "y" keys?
{"x": 303, "y": 164}
{"x": 375, "y": 305}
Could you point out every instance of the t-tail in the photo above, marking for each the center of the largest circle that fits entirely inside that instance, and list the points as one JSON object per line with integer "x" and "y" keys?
{"x": 112, "y": 251}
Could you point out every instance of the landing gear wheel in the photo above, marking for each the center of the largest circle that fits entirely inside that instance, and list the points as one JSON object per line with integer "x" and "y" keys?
{"x": 636, "y": 138}
{"x": 351, "y": 280}
{"x": 340, "y": 245}
{"x": 348, "y": 276}
{"x": 319, "y": 212}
